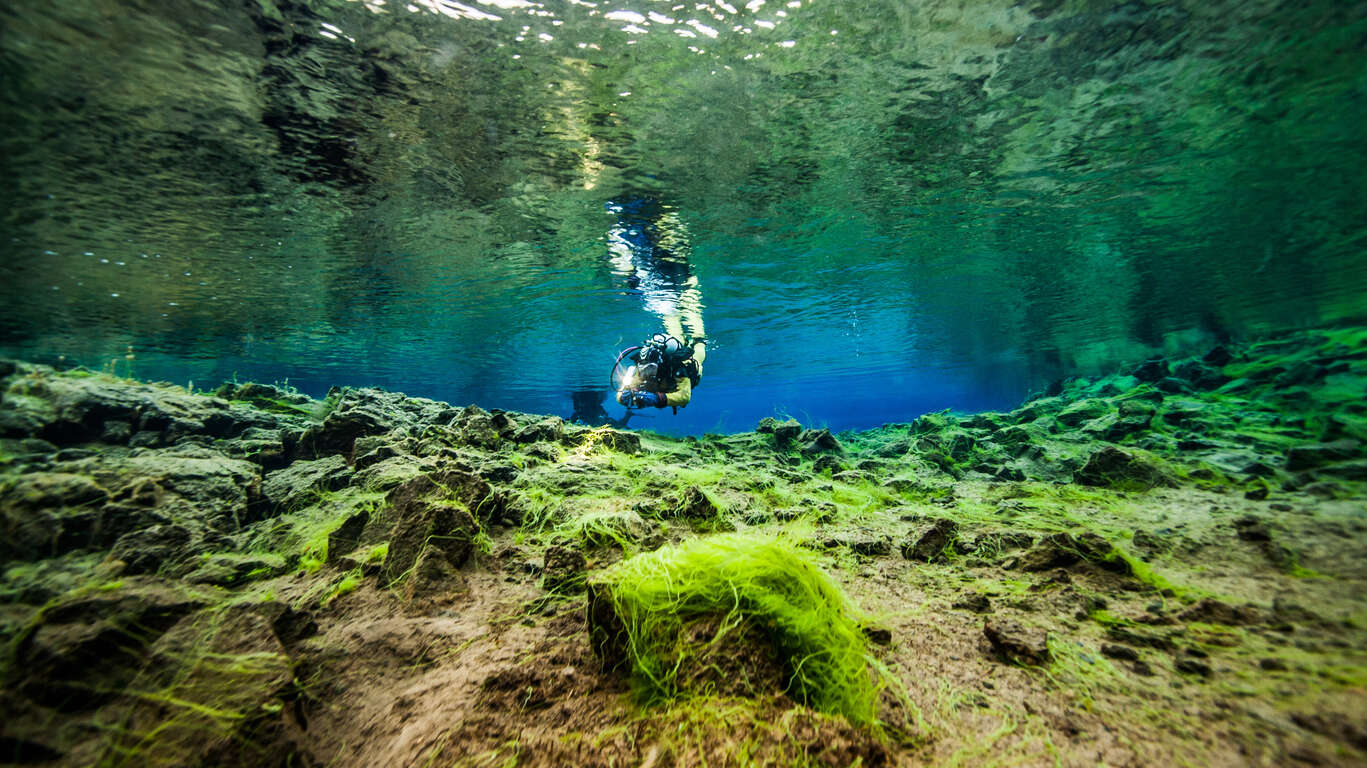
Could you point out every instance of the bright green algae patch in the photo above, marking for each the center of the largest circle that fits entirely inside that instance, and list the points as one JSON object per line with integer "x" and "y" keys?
{"x": 744, "y": 578}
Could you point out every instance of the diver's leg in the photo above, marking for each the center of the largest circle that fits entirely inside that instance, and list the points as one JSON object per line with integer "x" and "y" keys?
{"x": 672, "y": 326}
{"x": 690, "y": 309}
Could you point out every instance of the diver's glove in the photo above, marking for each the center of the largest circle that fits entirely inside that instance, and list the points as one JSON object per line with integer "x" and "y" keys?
{"x": 636, "y": 398}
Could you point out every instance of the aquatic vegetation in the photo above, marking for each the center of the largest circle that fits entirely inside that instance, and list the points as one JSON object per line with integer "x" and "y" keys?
{"x": 742, "y": 579}
{"x": 1035, "y": 592}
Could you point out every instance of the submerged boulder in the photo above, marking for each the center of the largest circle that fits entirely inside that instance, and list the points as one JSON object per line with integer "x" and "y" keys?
{"x": 695, "y": 504}
{"x": 300, "y": 483}
{"x": 1116, "y": 468}
{"x": 1013, "y": 642}
{"x": 426, "y": 519}
{"x": 741, "y": 604}
{"x": 83, "y": 650}
{"x": 815, "y": 441}
{"x": 147, "y": 550}
{"x": 1083, "y": 410}
{"x": 1314, "y": 455}
{"x": 1151, "y": 370}
{"x": 930, "y": 544}
{"x": 563, "y": 569}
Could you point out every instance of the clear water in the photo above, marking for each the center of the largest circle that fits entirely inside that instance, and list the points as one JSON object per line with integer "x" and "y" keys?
{"x": 884, "y": 208}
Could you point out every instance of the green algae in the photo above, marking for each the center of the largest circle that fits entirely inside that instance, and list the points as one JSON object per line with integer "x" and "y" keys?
{"x": 745, "y": 578}
{"x": 592, "y": 499}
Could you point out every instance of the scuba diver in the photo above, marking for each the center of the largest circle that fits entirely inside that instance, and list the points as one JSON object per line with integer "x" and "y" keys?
{"x": 660, "y": 372}
{"x": 649, "y": 250}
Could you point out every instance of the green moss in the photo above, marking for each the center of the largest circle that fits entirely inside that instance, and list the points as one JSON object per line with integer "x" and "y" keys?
{"x": 1141, "y": 571}
{"x": 600, "y": 528}
{"x": 1107, "y": 619}
{"x": 1081, "y": 671}
{"x": 347, "y": 585}
{"x": 306, "y": 531}
{"x": 745, "y": 578}
{"x": 376, "y": 554}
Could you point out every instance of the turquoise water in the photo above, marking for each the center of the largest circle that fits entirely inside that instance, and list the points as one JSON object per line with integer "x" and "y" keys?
{"x": 877, "y": 209}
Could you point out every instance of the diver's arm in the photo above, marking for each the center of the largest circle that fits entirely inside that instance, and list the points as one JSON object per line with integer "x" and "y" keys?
{"x": 683, "y": 392}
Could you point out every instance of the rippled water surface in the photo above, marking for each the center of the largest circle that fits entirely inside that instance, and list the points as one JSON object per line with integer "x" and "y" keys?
{"x": 871, "y": 209}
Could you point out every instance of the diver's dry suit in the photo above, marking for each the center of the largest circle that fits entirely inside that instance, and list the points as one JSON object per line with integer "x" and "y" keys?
{"x": 664, "y": 373}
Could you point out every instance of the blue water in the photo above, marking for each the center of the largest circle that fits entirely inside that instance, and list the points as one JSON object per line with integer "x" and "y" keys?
{"x": 877, "y": 209}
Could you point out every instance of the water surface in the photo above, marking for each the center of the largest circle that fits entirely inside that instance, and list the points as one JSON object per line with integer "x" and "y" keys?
{"x": 884, "y": 208}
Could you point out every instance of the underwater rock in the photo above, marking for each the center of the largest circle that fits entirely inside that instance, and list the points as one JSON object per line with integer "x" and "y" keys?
{"x": 929, "y": 545}
{"x": 827, "y": 463}
{"x": 550, "y": 430}
{"x": 1239, "y": 463}
{"x": 51, "y": 490}
{"x": 147, "y": 550}
{"x": 299, "y": 484}
{"x": 1250, "y": 528}
{"x": 356, "y": 415}
{"x": 425, "y": 520}
{"x": 608, "y": 636}
{"x": 865, "y": 543}
{"x": 1012, "y": 642}
{"x": 932, "y": 423}
{"x": 1055, "y": 551}
{"x": 1083, "y": 410}
{"x": 1017, "y": 440}
{"x": 1190, "y": 666}
{"x": 786, "y": 432}
{"x": 1314, "y": 455}
{"x": 344, "y": 539}
{"x": 498, "y": 470}
{"x": 818, "y": 440}
{"x": 264, "y": 396}
{"x": 1121, "y": 652}
{"x": 1151, "y": 543}
{"x": 263, "y": 447}
{"x": 976, "y": 602}
{"x": 617, "y": 440}
{"x": 1334, "y": 725}
{"x": 563, "y": 569}
{"x": 389, "y": 473}
{"x": 1132, "y": 416}
{"x": 487, "y": 504}
{"x": 432, "y": 571}
{"x": 1095, "y": 549}
{"x": 1173, "y": 386}
{"x": 1151, "y": 370}
{"x": 1200, "y": 375}
{"x": 1136, "y": 408}
{"x": 1354, "y": 471}
{"x": 1113, "y": 467}
{"x": 1218, "y": 356}
{"x": 225, "y": 570}
{"x": 1212, "y": 611}
{"x": 226, "y": 715}
{"x": 477, "y": 428}
{"x": 696, "y": 505}
{"x": 370, "y": 450}
{"x": 83, "y": 651}
{"x": 219, "y": 491}
{"x": 1134, "y": 636}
